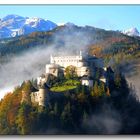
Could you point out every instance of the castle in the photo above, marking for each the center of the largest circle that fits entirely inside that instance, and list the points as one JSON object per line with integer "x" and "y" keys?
{"x": 84, "y": 64}
{"x": 85, "y": 68}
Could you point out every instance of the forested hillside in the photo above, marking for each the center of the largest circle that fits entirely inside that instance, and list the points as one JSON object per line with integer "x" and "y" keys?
{"x": 112, "y": 109}
{"x": 91, "y": 34}
{"x": 97, "y": 110}
{"x": 103, "y": 43}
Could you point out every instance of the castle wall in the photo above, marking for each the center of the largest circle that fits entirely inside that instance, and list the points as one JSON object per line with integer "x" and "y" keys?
{"x": 87, "y": 83}
{"x": 81, "y": 71}
{"x": 66, "y": 61}
{"x": 42, "y": 96}
{"x": 54, "y": 71}
{"x": 34, "y": 97}
{"x": 41, "y": 80}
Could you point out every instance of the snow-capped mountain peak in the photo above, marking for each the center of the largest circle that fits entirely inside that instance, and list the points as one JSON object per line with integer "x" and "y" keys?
{"x": 14, "y": 25}
{"x": 12, "y": 16}
{"x": 131, "y": 32}
{"x": 33, "y": 21}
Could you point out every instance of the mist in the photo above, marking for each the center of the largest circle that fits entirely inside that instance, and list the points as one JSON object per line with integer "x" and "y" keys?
{"x": 105, "y": 121}
{"x": 132, "y": 74}
{"x": 31, "y": 63}
{"x": 26, "y": 66}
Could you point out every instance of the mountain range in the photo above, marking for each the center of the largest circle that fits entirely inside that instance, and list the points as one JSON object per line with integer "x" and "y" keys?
{"x": 14, "y": 25}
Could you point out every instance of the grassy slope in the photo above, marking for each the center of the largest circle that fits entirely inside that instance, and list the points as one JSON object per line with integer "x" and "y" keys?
{"x": 65, "y": 85}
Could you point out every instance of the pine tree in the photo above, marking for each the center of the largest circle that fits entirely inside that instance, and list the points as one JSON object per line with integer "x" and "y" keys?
{"x": 101, "y": 89}
{"x": 56, "y": 108}
{"x": 95, "y": 89}
{"x": 117, "y": 80}
{"x": 85, "y": 116}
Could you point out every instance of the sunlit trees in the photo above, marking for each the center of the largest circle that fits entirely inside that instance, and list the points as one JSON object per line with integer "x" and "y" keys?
{"x": 98, "y": 89}
{"x": 66, "y": 114}
{"x": 70, "y": 72}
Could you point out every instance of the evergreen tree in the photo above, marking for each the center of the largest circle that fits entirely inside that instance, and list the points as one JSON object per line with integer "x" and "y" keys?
{"x": 23, "y": 123}
{"x": 95, "y": 89}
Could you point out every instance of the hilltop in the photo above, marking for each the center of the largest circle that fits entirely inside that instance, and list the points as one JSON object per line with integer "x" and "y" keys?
{"x": 101, "y": 109}
{"x": 82, "y": 110}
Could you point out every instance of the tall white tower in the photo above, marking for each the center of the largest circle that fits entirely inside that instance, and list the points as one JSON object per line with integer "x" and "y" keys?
{"x": 80, "y": 56}
{"x": 51, "y": 59}
{"x": 80, "y": 53}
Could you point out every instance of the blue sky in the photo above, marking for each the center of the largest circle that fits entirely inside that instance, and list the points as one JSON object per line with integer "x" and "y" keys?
{"x": 114, "y": 17}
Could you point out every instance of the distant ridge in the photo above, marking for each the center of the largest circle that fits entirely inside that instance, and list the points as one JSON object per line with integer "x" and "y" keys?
{"x": 131, "y": 32}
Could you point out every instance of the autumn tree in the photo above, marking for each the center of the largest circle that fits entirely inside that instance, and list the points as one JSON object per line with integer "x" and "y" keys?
{"x": 70, "y": 72}
{"x": 27, "y": 88}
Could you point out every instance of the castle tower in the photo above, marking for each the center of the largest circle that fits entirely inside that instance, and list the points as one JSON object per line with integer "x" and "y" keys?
{"x": 51, "y": 59}
{"x": 43, "y": 95}
{"x": 80, "y": 53}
